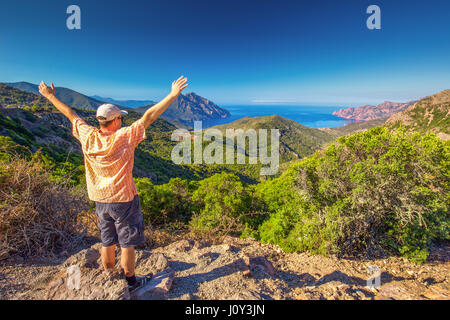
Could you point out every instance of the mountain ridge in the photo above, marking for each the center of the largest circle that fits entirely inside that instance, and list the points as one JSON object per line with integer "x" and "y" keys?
{"x": 66, "y": 95}
{"x": 191, "y": 107}
{"x": 296, "y": 140}
{"x": 430, "y": 114}
{"x": 125, "y": 103}
{"x": 371, "y": 112}
{"x": 185, "y": 109}
{"x": 31, "y": 121}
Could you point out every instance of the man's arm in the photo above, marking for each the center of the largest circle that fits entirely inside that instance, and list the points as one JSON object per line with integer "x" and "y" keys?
{"x": 154, "y": 112}
{"x": 49, "y": 93}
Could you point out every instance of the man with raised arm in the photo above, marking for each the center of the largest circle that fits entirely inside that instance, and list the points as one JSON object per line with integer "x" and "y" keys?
{"x": 109, "y": 159}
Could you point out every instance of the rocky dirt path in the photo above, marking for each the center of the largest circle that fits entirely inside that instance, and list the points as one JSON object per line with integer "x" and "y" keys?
{"x": 235, "y": 269}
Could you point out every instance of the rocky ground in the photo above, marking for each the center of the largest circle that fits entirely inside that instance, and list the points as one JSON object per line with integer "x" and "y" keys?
{"x": 234, "y": 269}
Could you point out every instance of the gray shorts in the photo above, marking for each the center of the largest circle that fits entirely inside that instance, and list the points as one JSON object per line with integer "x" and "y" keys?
{"x": 121, "y": 223}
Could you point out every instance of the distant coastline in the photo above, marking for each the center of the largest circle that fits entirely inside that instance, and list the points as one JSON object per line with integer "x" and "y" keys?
{"x": 310, "y": 116}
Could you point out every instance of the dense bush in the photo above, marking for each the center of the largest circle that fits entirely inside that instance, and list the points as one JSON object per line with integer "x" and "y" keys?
{"x": 224, "y": 200}
{"x": 369, "y": 190}
{"x": 162, "y": 204}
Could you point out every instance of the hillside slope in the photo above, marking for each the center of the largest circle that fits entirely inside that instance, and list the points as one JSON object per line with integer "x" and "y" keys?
{"x": 431, "y": 114}
{"x": 354, "y": 127}
{"x": 370, "y": 112}
{"x": 68, "y": 96}
{"x": 32, "y": 122}
{"x": 296, "y": 140}
{"x": 13, "y": 97}
{"x": 125, "y": 103}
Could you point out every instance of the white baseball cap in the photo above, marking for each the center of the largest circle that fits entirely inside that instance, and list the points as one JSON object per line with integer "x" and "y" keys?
{"x": 109, "y": 112}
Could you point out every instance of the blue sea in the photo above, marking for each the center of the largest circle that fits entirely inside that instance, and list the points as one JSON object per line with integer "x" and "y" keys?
{"x": 310, "y": 116}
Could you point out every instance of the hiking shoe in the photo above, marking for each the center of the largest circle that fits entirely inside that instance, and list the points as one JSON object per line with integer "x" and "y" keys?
{"x": 141, "y": 281}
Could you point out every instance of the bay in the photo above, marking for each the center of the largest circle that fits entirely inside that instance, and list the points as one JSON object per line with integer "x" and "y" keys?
{"x": 310, "y": 116}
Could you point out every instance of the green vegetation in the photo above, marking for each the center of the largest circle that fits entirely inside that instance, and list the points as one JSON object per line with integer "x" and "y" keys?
{"x": 13, "y": 98}
{"x": 296, "y": 140}
{"x": 372, "y": 189}
{"x": 430, "y": 114}
{"x": 355, "y": 127}
{"x": 223, "y": 198}
{"x": 14, "y": 128}
{"x": 40, "y": 129}
{"x": 167, "y": 203}
{"x": 365, "y": 193}
{"x": 68, "y": 96}
{"x": 154, "y": 155}
{"x": 369, "y": 191}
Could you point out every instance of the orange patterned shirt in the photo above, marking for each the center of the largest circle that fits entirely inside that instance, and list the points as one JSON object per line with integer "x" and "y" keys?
{"x": 109, "y": 160}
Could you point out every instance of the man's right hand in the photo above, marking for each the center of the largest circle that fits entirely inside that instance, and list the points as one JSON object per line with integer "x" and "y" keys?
{"x": 46, "y": 91}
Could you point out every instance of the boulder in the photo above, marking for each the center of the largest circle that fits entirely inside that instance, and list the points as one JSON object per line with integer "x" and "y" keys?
{"x": 158, "y": 286}
{"x": 437, "y": 292}
{"x": 180, "y": 246}
{"x": 88, "y": 258}
{"x": 258, "y": 262}
{"x": 200, "y": 244}
{"x": 246, "y": 295}
{"x": 393, "y": 291}
{"x": 147, "y": 262}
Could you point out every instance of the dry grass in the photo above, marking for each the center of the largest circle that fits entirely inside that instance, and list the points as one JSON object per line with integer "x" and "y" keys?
{"x": 166, "y": 234}
{"x": 37, "y": 215}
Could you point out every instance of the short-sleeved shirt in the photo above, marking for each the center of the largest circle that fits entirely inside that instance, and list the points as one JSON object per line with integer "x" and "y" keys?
{"x": 109, "y": 160}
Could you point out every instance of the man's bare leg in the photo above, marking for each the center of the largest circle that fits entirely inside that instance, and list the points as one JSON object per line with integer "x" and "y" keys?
{"x": 109, "y": 257}
{"x": 127, "y": 261}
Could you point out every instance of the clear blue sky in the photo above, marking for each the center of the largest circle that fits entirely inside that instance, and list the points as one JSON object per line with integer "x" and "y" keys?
{"x": 233, "y": 52}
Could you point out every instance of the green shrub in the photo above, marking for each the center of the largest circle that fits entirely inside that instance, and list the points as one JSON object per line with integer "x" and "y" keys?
{"x": 224, "y": 200}
{"x": 162, "y": 204}
{"x": 370, "y": 190}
